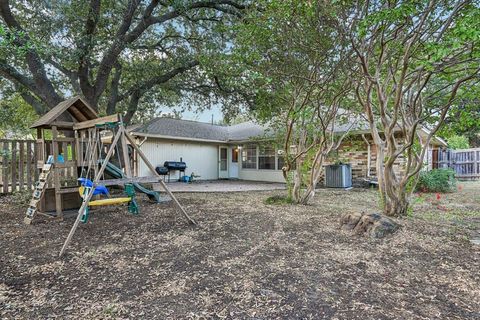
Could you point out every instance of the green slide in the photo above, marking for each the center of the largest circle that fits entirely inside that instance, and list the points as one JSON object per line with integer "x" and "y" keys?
{"x": 117, "y": 173}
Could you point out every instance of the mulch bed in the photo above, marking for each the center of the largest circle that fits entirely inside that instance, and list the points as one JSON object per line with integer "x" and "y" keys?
{"x": 246, "y": 259}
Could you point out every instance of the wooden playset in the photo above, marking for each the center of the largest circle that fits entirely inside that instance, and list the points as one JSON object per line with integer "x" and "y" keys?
{"x": 76, "y": 163}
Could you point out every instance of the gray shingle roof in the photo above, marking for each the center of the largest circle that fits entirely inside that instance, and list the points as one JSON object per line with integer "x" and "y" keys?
{"x": 246, "y": 130}
{"x": 199, "y": 130}
{"x": 194, "y": 130}
{"x": 187, "y": 129}
{"x": 183, "y": 129}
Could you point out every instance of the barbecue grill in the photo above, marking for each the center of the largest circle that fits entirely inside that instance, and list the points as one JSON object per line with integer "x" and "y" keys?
{"x": 175, "y": 165}
{"x": 161, "y": 170}
{"x": 179, "y": 166}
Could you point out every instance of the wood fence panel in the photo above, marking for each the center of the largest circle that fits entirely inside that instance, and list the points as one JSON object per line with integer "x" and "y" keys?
{"x": 13, "y": 164}
{"x": 29, "y": 164}
{"x": 34, "y": 161}
{"x": 21, "y": 162}
{"x": 5, "y": 155}
{"x": 465, "y": 162}
{"x": 18, "y": 168}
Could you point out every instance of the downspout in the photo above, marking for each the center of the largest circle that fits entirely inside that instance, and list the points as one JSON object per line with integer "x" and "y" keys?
{"x": 368, "y": 155}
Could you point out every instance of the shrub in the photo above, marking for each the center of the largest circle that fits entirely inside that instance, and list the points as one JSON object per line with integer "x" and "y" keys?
{"x": 437, "y": 180}
{"x": 458, "y": 142}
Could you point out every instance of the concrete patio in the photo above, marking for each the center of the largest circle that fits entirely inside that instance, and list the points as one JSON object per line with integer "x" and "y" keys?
{"x": 224, "y": 186}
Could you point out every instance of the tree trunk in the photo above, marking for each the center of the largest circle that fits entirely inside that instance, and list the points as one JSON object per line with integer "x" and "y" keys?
{"x": 396, "y": 197}
{"x": 314, "y": 178}
{"x": 396, "y": 208}
{"x": 297, "y": 185}
{"x": 380, "y": 173}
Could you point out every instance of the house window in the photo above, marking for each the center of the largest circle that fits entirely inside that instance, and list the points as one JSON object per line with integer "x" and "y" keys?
{"x": 249, "y": 157}
{"x": 234, "y": 155}
{"x": 266, "y": 158}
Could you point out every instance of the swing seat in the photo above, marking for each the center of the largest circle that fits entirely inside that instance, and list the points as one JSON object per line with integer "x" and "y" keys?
{"x": 107, "y": 202}
{"x": 88, "y": 183}
{"x": 129, "y": 190}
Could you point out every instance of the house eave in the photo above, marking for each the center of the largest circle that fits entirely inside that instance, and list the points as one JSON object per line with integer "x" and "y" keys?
{"x": 160, "y": 136}
{"x": 436, "y": 140}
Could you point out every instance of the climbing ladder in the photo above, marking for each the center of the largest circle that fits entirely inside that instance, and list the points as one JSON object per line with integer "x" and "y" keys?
{"x": 37, "y": 195}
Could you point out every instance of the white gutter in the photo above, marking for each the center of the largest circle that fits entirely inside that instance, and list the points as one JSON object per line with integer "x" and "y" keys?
{"x": 160, "y": 136}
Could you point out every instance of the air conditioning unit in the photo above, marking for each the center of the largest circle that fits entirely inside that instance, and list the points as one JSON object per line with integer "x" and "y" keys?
{"x": 338, "y": 176}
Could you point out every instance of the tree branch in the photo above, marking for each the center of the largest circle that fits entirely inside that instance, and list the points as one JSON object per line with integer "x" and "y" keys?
{"x": 43, "y": 85}
{"x": 148, "y": 84}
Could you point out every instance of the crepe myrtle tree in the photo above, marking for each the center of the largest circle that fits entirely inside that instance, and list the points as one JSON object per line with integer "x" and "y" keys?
{"x": 298, "y": 65}
{"x": 310, "y": 135}
{"x": 414, "y": 59}
{"x": 125, "y": 55}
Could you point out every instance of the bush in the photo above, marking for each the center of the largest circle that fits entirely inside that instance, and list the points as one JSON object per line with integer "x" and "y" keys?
{"x": 437, "y": 180}
{"x": 458, "y": 142}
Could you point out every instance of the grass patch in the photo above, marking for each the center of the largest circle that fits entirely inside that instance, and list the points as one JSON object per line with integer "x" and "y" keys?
{"x": 278, "y": 200}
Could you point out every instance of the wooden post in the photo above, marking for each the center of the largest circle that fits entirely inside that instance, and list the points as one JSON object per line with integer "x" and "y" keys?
{"x": 475, "y": 163}
{"x": 43, "y": 151}
{"x": 14, "y": 166}
{"x": 35, "y": 160}
{"x": 126, "y": 158}
{"x": 75, "y": 154}
{"x": 90, "y": 194}
{"x": 21, "y": 159}
{"x": 5, "y": 167}
{"x": 29, "y": 165}
{"x": 94, "y": 137}
{"x": 162, "y": 183}
{"x": 56, "y": 173}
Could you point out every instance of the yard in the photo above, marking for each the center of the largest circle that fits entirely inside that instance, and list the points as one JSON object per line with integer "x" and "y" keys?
{"x": 246, "y": 259}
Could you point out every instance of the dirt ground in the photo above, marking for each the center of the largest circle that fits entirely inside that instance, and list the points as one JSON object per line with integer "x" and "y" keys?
{"x": 246, "y": 259}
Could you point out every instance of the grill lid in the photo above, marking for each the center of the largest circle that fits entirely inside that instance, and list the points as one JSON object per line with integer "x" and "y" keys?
{"x": 175, "y": 165}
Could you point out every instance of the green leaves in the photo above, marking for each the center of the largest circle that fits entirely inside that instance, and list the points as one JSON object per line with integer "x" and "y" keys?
{"x": 458, "y": 142}
{"x": 9, "y": 43}
{"x": 16, "y": 116}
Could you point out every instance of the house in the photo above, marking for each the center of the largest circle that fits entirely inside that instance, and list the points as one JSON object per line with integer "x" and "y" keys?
{"x": 241, "y": 151}
{"x": 210, "y": 151}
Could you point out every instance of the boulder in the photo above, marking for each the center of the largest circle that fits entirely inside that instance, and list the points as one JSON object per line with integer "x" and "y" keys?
{"x": 372, "y": 224}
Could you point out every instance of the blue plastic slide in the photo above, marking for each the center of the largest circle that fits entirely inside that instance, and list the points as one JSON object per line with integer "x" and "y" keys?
{"x": 117, "y": 173}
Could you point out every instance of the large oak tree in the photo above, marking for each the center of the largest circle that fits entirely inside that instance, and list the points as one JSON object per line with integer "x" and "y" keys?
{"x": 125, "y": 55}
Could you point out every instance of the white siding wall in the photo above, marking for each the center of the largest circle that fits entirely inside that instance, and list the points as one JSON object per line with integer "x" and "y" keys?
{"x": 201, "y": 158}
{"x": 260, "y": 175}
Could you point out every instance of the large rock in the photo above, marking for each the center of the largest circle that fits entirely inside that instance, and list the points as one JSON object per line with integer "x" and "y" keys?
{"x": 372, "y": 224}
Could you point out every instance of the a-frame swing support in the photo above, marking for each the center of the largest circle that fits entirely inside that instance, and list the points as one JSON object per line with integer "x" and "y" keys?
{"x": 123, "y": 135}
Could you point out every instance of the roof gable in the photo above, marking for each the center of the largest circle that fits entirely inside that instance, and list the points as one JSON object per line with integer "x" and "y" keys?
{"x": 76, "y": 107}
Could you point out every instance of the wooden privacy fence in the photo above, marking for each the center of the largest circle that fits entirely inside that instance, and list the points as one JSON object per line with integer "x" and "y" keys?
{"x": 465, "y": 162}
{"x": 18, "y": 165}
{"x": 20, "y": 161}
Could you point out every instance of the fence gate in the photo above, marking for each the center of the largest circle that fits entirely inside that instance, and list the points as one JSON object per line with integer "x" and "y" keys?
{"x": 465, "y": 162}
